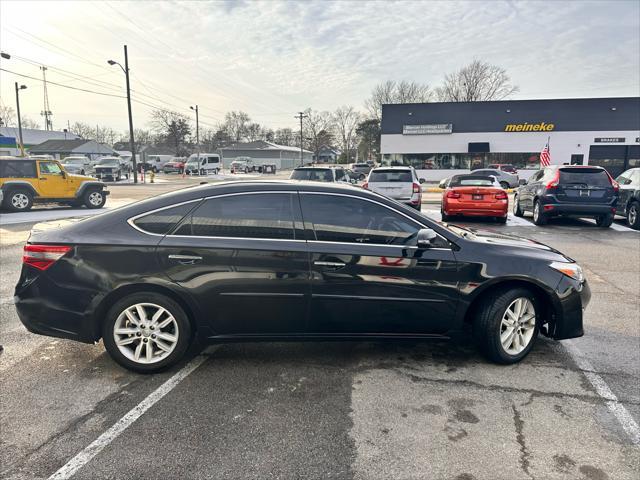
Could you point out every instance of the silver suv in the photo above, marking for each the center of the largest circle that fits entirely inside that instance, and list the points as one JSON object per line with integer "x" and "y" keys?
{"x": 399, "y": 183}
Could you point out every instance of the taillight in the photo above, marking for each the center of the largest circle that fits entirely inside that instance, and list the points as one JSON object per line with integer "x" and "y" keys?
{"x": 417, "y": 188}
{"x": 614, "y": 184}
{"x": 554, "y": 182}
{"x": 501, "y": 196}
{"x": 43, "y": 256}
{"x": 365, "y": 185}
{"x": 453, "y": 194}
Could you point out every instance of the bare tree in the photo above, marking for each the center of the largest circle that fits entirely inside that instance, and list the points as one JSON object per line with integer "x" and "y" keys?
{"x": 314, "y": 125}
{"x": 235, "y": 124}
{"x": 29, "y": 123}
{"x": 477, "y": 82}
{"x": 83, "y": 130}
{"x": 284, "y": 136}
{"x": 346, "y": 119}
{"x": 396, "y": 92}
{"x": 172, "y": 127}
{"x": 7, "y": 116}
{"x": 253, "y": 132}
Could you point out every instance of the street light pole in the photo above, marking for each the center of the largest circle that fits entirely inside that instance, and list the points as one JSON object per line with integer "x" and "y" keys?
{"x": 132, "y": 144}
{"x": 18, "y": 88}
{"x": 197, "y": 133}
{"x": 301, "y": 115}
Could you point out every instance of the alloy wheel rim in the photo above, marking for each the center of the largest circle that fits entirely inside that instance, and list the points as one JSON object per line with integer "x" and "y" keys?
{"x": 95, "y": 198}
{"x": 517, "y": 326}
{"x": 20, "y": 200}
{"x": 146, "y": 333}
{"x": 536, "y": 211}
{"x": 633, "y": 214}
{"x": 516, "y": 206}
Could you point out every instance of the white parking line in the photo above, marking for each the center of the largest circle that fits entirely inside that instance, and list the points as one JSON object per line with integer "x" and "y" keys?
{"x": 95, "y": 447}
{"x": 623, "y": 416}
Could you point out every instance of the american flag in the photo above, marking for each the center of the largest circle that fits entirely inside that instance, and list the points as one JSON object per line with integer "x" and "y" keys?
{"x": 545, "y": 156}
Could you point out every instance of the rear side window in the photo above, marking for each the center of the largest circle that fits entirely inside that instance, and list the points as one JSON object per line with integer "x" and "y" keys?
{"x": 390, "y": 176}
{"x": 163, "y": 221}
{"x": 261, "y": 215}
{"x": 584, "y": 176}
{"x": 17, "y": 169}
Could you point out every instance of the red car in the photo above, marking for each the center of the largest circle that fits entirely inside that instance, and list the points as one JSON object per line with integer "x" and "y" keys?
{"x": 474, "y": 196}
{"x": 173, "y": 166}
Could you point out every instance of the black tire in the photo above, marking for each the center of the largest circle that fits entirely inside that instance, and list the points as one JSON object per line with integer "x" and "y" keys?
{"x": 418, "y": 207}
{"x": 445, "y": 217}
{"x": 94, "y": 198}
{"x": 246, "y": 170}
{"x": 502, "y": 220}
{"x": 487, "y": 324}
{"x": 81, "y": 172}
{"x": 633, "y": 215}
{"x": 504, "y": 185}
{"x": 202, "y": 171}
{"x": 604, "y": 221}
{"x": 18, "y": 200}
{"x": 517, "y": 211}
{"x": 539, "y": 218}
{"x": 183, "y": 331}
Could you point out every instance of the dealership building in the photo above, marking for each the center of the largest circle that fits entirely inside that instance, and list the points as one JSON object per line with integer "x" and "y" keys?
{"x": 443, "y": 139}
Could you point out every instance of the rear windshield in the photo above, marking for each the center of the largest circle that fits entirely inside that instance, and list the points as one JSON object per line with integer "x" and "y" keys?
{"x": 17, "y": 169}
{"x": 584, "y": 176}
{"x": 315, "y": 174}
{"x": 475, "y": 181}
{"x": 390, "y": 176}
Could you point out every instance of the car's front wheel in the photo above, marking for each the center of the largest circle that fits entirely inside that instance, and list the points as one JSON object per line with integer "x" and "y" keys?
{"x": 633, "y": 215}
{"x": 517, "y": 210}
{"x": 19, "y": 200}
{"x": 146, "y": 332}
{"x": 94, "y": 198}
{"x": 506, "y": 326}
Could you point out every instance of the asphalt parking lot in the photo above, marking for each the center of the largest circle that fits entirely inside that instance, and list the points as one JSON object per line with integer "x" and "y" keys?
{"x": 364, "y": 410}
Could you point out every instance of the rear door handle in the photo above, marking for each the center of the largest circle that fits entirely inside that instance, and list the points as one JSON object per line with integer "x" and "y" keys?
{"x": 329, "y": 264}
{"x": 186, "y": 259}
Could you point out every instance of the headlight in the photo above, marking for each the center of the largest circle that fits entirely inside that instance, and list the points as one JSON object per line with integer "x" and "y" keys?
{"x": 572, "y": 270}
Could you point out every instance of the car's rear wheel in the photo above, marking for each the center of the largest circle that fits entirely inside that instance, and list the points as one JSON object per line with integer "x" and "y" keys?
{"x": 94, "y": 198}
{"x": 604, "y": 221}
{"x": 501, "y": 219}
{"x": 19, "y": 200}
{"x": 517, "y": 211}
{"x": 633, "y": 215}
{"x": 146, "y": 332}
{"x": 202, "y": 171}
{"x": 539, "y": 218}
{"x": 506, "y": 326}
{"x": 445, "y": 217}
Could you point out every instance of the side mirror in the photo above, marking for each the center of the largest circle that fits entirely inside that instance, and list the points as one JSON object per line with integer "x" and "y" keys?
{"x": 64, "y": 175}
{"x": 425, "y": 238}
{"x": 422, "y": 180}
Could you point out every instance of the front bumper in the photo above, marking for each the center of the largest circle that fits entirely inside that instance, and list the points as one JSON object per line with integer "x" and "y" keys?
{"x": 574, "y": 298}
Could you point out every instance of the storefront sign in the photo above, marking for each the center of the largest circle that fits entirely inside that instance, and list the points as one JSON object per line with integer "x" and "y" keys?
{"x": 529, "y": 127}
{"x": 432, "y": 129}
{"x": 609, "y": 140}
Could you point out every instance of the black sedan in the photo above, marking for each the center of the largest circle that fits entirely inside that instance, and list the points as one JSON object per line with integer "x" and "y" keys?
{"x": 249, "y": 261}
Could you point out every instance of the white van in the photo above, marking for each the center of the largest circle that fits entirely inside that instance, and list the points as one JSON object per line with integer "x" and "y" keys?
{"x": 209, "y": 163}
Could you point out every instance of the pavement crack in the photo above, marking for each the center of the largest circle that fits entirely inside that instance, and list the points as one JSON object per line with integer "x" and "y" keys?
{"x": 525, "y": 455}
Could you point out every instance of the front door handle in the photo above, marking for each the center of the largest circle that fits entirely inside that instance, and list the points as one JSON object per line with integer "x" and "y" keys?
{"x": 186, "y": 259}
{"x": 329, "y": 264}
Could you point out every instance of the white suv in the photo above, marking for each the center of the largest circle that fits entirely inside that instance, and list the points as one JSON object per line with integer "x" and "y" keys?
{"x": 399, "y": 183}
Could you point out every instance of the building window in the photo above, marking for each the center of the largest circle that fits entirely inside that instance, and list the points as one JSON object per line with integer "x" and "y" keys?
{"x": 462, "y": 161}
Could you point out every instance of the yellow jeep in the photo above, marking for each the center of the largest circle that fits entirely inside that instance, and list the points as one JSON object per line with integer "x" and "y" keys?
{"x": 24, "y": 181}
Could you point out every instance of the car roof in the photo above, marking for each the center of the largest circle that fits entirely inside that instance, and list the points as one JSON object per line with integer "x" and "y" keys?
{"x": 394, "y": 167}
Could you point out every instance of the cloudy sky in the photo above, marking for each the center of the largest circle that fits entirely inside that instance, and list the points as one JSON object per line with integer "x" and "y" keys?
{"x": 274, "y": 58}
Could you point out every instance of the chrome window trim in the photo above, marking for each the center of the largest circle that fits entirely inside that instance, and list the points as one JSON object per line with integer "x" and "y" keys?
{"x": 383, "y": 205}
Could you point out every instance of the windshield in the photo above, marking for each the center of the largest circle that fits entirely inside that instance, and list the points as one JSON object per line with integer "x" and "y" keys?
{"x": 73, "y": 161}
{"x": 390, "y": 176}
{"x": 313, "y": 174}
{"x": 108, "y": 161}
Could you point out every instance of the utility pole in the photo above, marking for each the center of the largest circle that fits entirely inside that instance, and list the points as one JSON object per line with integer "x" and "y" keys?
{"x": 18, "y": 88}
{"x": 301, "y": 115}
{"x": 132, "y": 144}
{"x": 197, "y": 134}
{"x": 46, "y": 112}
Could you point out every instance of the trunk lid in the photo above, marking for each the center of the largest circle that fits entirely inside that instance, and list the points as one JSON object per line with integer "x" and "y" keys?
{"x": 584, "y": 185}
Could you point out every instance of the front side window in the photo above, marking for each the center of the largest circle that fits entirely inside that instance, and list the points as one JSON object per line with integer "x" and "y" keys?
{"x": 50, "y": 168}
{"x": 260, "y": 215}
{"x": 163, "y": 221}
{"x": 336, "y": 218}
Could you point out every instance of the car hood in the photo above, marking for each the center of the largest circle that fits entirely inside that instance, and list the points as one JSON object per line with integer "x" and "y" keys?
{"x": 512, "y": 244}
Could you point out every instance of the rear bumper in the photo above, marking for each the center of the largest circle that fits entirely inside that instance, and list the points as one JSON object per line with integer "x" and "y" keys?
{"x": 577, "y": 209}
{"x": 476, "y": 209}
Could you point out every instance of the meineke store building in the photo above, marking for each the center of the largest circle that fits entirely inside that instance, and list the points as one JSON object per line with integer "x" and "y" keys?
{"x": 443, "y": 139}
